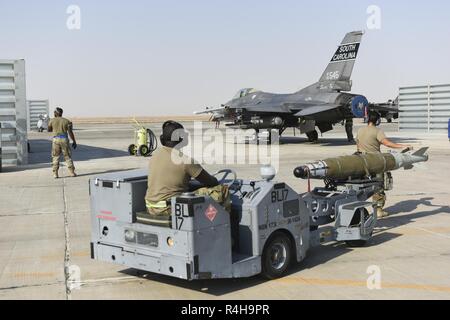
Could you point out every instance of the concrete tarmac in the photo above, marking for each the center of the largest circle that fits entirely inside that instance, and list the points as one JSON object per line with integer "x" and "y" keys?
{"x": 45, "y": 229}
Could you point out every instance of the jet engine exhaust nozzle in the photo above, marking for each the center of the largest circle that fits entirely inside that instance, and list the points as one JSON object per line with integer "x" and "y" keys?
{"x": 359, "y": 105}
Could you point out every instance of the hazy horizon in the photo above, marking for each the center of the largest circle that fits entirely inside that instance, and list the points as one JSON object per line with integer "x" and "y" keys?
{"x": 156, "y": 58}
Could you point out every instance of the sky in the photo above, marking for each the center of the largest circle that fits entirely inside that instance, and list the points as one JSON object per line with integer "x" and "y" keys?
{"x": 151, "y": 58}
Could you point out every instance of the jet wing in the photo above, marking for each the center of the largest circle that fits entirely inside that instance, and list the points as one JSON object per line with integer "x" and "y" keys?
{"x": 312, "y": 110}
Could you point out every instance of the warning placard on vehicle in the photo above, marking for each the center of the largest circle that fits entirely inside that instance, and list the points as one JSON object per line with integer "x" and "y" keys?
{"x": 211, "y": 213}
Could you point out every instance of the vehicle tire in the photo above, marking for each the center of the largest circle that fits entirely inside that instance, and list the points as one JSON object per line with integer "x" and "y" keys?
{"x": 356, "y": 243}
{"x": 132, "y": 150}
{"x": 313, "y": 136}
{"x": 144, "y": 151}
{"x": 277, "y": 256}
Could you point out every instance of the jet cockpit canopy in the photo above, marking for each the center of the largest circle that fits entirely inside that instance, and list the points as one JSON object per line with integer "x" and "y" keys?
{"x": 244, "y": 92}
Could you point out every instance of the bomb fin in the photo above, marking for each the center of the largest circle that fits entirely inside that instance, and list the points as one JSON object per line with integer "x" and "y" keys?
{"x": 421, "y": 152}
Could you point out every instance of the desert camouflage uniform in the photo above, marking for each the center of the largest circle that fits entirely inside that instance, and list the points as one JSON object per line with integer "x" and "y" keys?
{"x": 369, "y": 141}
{"x": 61, "y": 146}
{"x": 380, "y": 197}
{"x": 60, "y": 143}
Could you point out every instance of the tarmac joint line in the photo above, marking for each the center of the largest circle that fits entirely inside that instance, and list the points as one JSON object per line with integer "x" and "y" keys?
{"x": 29, "y": 286}
{"x": 67, "y": 245}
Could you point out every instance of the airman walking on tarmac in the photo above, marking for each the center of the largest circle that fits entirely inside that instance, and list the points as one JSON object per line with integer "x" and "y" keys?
{"x": 62, "y": 130}
{"x": 349, "y": 129}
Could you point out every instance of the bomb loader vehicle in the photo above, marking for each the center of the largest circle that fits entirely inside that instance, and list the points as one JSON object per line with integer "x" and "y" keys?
{"x": 270, "y": 225}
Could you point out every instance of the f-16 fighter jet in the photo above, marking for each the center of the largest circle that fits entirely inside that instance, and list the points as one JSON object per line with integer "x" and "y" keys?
{"x": 321, "y": 105}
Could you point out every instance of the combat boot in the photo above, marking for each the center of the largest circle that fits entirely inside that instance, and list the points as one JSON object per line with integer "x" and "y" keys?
{"x": 72, "y": 173}
{"x": 381, "y": 213}
{"x": 55, "y": 174}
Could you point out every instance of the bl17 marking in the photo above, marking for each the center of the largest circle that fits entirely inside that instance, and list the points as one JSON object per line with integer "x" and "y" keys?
{"x": 280, "y": 195}
{"x": 180, "y": 215}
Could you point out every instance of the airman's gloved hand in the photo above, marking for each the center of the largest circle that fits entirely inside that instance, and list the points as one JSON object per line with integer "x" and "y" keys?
{"x": 74, "y": 145}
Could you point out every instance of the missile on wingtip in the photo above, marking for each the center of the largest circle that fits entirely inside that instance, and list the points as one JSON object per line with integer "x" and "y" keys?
{"x": 359, "y": 166}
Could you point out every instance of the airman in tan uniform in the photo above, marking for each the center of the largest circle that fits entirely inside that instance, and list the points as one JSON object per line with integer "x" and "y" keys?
{"x": 62, "y": 130}
{"x": 171, "y": 171}
{"x": 369, "y": 140}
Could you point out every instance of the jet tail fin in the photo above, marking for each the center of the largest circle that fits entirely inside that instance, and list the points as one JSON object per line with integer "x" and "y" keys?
{"x": 337, "y": 75}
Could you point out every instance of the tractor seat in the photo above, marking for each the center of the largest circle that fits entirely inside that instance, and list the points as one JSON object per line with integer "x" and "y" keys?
{"x": 157, "y": 221}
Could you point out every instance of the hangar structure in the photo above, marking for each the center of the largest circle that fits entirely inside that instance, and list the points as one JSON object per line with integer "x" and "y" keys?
{"x": 13, "y": 112}
{"x": 424, "y": 108}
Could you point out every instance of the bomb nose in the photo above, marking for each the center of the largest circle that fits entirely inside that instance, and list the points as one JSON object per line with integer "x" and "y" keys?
{"x": 301, "y": 173}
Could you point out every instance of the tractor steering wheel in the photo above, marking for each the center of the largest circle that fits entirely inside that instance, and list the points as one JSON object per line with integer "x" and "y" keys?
{"x": 226, "y": 173}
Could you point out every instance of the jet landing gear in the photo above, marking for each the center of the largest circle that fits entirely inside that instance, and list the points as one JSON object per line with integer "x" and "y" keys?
{"x": 313, "y": 136}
